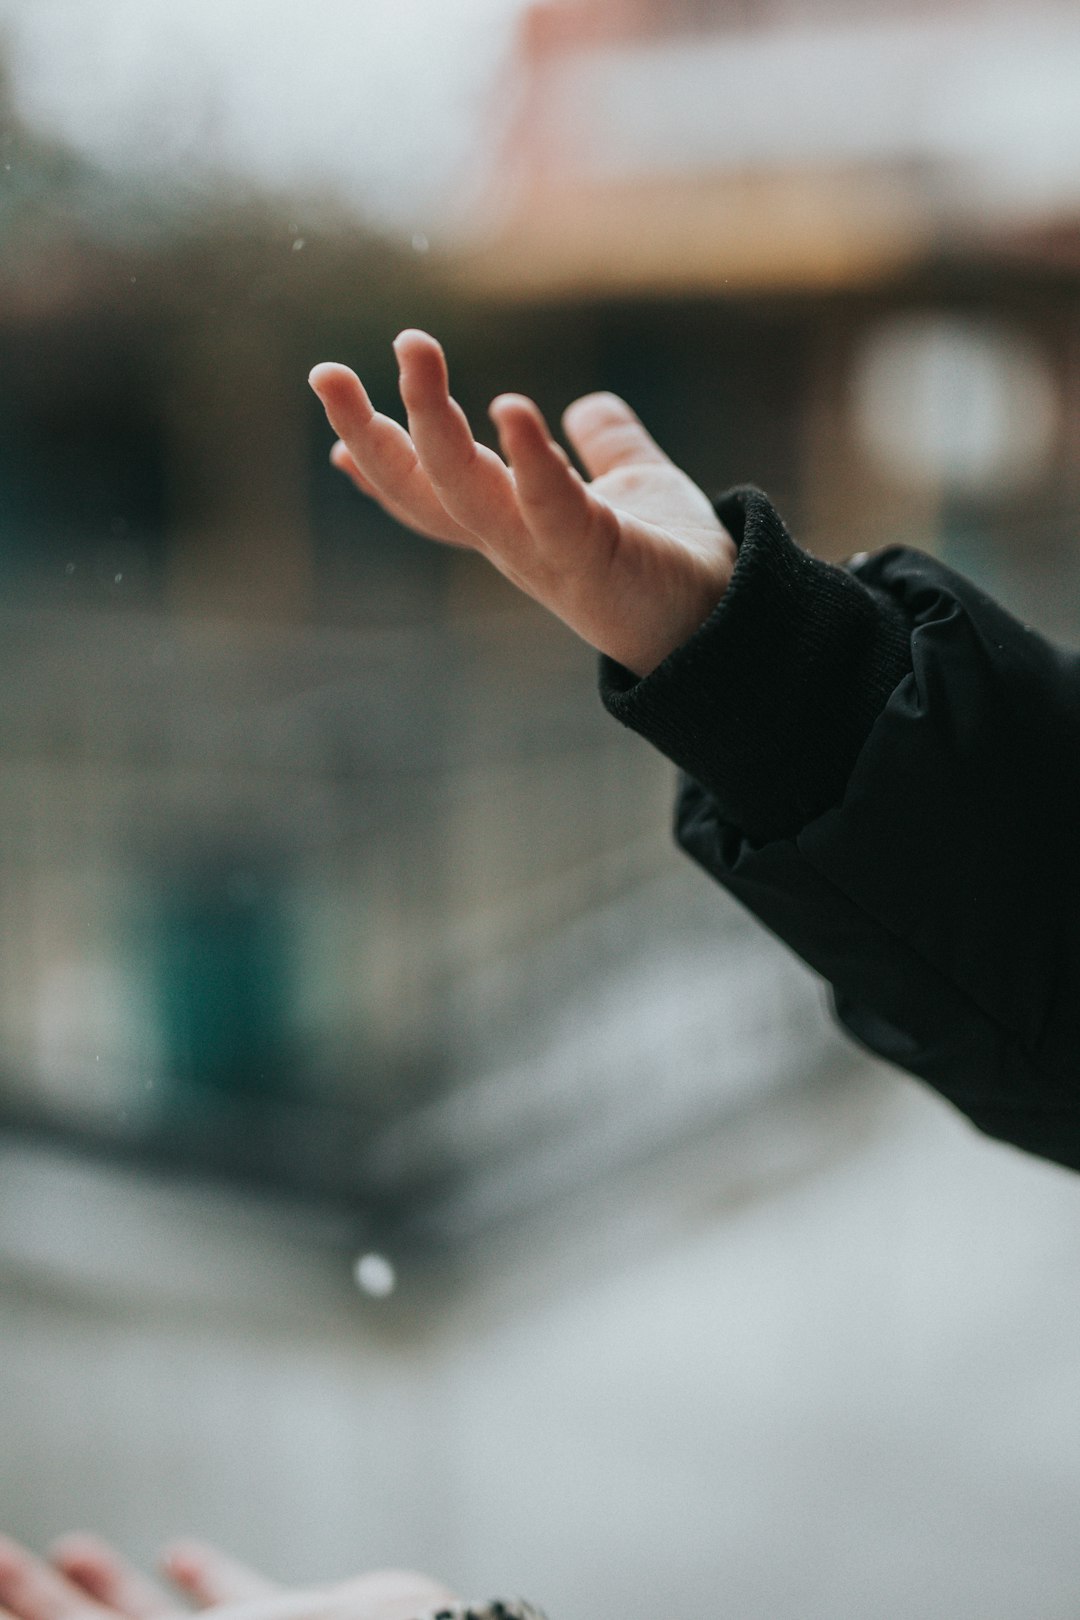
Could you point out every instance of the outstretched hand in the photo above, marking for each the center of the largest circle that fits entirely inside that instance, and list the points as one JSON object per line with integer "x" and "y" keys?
{"x": 87, "y": 1580}
{"x": 634, "y": 560}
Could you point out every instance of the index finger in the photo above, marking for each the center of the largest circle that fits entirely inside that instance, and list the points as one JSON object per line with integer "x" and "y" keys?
{"x": 607, "y": 434}
{"x": 570, "y": 526}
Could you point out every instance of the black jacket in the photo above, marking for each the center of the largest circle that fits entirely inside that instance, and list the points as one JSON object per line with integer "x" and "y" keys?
{"x": 884, "y": 766}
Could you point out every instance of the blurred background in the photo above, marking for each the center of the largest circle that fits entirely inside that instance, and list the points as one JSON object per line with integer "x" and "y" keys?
{"x": 404, "y": 1155}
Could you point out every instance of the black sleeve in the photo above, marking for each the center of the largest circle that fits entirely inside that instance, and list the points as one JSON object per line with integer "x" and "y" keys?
{"x": 884, "y": 766}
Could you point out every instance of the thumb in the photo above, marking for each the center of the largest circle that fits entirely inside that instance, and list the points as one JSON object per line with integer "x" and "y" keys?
{"x": 606, "y": 434}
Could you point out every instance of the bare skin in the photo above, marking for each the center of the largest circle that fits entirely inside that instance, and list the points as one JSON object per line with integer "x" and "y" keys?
{"x": 86, "y": 1579}
{"x": 634, "y": 558}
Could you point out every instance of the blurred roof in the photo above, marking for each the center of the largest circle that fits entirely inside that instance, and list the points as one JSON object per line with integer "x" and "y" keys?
{"x": 370, "y": 108}
{"x": 692, "y": 146}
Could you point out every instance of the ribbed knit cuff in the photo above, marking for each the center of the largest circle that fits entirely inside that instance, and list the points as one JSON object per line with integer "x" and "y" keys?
{"x": 768, "y": 704}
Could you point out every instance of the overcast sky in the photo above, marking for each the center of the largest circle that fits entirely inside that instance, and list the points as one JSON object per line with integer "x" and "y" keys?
{"x": 383, "y": 99}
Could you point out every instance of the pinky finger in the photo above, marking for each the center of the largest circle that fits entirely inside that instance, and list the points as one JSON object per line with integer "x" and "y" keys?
{"x": 343, "y": 461}
{"x": 341, "y": 458}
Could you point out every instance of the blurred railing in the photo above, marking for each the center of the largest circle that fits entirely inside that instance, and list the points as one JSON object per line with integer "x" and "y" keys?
{"x": 387, "y": 918}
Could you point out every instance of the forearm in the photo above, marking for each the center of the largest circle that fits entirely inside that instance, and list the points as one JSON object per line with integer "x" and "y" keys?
{"x": 929, "y": 868}
{"x": 769, "y": 703}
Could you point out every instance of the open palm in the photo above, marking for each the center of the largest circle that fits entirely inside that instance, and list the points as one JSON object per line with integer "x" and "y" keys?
{"x": 633, "y": 561}
{"x": 86, "y": 1579}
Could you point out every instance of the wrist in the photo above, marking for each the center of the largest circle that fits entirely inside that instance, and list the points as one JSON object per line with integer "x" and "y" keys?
{"x": 696, "y": 601}
{"x": 769, "y": 701}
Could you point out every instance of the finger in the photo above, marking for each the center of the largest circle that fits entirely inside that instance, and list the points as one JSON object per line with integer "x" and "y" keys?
{"x": 383, "y": 454}
{"x": 98, "y": 1569}
{"x": 471, "y": 481}
{"x": 210, "y": 1577}
{"x": 30, "y": 1590}
{"x": 606, "y": 434}
{"x": 554, "y": 500}
{"x": 343, "y": 461}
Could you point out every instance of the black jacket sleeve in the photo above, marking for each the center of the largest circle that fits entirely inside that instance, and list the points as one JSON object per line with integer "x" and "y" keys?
{"x": 884, "y": 766}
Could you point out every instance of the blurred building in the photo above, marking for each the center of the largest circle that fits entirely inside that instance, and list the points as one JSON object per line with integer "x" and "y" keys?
{"x": 324, "y": 870}
{"x": 717, "y": 145}
{"x": 307, "y": 861}
{"x": 846, "y": 244}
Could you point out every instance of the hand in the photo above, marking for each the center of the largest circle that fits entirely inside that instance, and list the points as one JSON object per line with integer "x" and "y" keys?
{"x": 87, "y": 1580}
{"x": 633, "y": 561}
